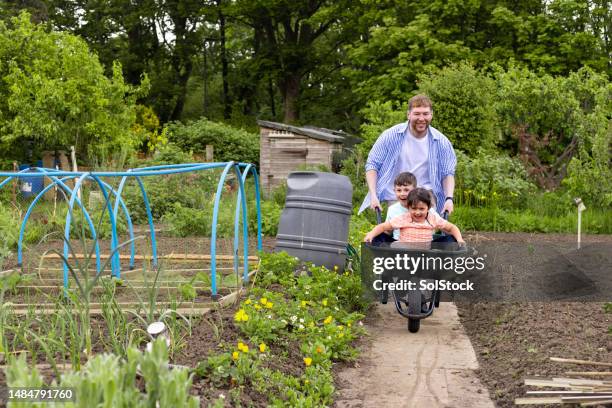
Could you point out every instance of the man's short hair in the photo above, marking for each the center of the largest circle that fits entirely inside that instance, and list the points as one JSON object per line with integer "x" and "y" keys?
{"x": 405, "y": 178}
{"x": 420, "y": 101}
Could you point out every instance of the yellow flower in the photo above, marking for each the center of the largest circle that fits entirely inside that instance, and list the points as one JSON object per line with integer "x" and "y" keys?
{"x": 340, "y": 335}
{"x": 235, "y": 355}
{"x": 319, "y": 349}
{"x": 307, "y": 361}
{"x": 262, "y": 347}
{"x": 243, "y": 347}
{"x": 328, "y": 320}
{"x": 324, "y": 302}
{"x": 348, "y": 324}
{"x": 335, "y": 267}
{"x": 247, "y": 302}
{"x": 311, "y": 324}
{"x": 257, "y": 307}
{"x": 304, "y": 303}
{"x": 241, "y": 316}
{"x": 269, "y": 305}
{"x": 340, "y": 327}
{"x": 263, "y": 301}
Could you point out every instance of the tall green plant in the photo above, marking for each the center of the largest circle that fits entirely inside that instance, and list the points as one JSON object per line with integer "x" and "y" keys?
{"x": 229, "y": 143}
{"x": 109, "y": 381}
{"x": 54, "y": 93}
{"x": 464, "y": 106}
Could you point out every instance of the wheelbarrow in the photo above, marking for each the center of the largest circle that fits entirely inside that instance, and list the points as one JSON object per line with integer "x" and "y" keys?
{"x": 416, "y": 304}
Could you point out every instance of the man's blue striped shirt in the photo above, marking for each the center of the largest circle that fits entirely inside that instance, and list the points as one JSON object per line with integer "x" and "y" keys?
{"x": 385, "y": 153}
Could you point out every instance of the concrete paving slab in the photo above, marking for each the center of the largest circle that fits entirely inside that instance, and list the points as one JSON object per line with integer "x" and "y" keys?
{"x": 431, "y": 368}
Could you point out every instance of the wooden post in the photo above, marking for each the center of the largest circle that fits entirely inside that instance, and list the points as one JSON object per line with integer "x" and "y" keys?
{"x": 64, "y": 165}
{"x": 48, "y": 160}
{"x": 74, "y": 168}
{"x": 210, "y": 153}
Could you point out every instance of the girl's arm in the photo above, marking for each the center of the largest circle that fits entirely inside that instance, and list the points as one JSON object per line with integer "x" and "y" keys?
{"x": 452, "y": 229}
{"x": 377, "y": 230}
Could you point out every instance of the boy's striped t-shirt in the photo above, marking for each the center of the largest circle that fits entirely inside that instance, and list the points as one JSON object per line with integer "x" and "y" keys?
{"x": 411, "y": 231}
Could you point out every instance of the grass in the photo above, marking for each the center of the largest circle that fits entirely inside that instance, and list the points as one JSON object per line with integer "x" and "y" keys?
{"x": 594, "y": 221}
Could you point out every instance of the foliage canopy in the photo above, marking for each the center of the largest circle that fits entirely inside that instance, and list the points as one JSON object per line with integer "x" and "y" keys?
{"x": 53, "y": 93}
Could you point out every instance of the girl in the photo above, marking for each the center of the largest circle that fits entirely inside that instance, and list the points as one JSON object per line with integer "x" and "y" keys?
{"x": 418, "y": 224}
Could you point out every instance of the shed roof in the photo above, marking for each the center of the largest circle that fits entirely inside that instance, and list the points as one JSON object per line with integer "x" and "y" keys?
{"x": 333, "y": 136}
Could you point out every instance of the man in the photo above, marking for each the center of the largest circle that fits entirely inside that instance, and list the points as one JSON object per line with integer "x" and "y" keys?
{"x": 415, "y": 147}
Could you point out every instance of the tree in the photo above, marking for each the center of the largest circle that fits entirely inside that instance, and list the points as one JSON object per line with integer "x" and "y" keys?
{"x": 287, "y": 35}
{"x": 153, "y": 37}
{"x": 464, "y": 107}
{"x": 54, "y": 93}
{"x": 409, "y": 38}
{"x": 554, "y": 119}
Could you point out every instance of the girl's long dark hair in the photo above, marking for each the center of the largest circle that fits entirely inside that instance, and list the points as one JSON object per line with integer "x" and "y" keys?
{"x": 419, "y": 195}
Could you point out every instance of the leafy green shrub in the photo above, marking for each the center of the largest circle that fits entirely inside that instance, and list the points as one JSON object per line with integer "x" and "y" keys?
{"x": 379, "y": 116}
{"x": 270, "y": 217}
{"x": 169, "y": 154}
{"x": 589, "y": 175}
{"x": 354, "y": 168}
{"x": 279, "y": 194}
{"x": 194, "y": 190}
{"x": 590, "y": 181}
{"x": 464, "y": 106}
{"x": 486, "y": 177}
{"x": 550, "y": 120}
{"x": 55, "y": 92}
{"x": 9, "y": 227}
{"x": 229, "y": 143}
{"x": 185, "y": 221}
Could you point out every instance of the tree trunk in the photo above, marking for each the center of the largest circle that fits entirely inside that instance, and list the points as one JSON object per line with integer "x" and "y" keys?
{"x": 183, "y": 77}
{"x": 227, "y": 107}
{"x": 290, "y": 90}
{"x": 271, "y": 95}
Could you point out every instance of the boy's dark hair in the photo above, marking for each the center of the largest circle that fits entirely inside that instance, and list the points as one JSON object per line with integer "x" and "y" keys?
{"x": 405, "y": 179}
{"x": 419, "y": 195}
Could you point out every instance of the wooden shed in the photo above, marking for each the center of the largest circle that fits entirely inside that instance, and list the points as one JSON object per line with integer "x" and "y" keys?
{"x": 285, "y": 148}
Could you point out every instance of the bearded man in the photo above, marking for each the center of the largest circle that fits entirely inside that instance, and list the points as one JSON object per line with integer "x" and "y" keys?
{"x": 418, "y": 148}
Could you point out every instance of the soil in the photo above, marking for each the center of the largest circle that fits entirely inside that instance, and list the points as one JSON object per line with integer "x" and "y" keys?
{"x": 216, "y": 333}
{"x": 516, "y": 340}
{"x": 48, "y": 272}
{"x": 511, "y": 340}
{"x": 166, "y": 245}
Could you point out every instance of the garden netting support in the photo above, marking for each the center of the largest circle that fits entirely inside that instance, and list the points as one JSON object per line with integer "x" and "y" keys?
{"x": 61, "y": 180}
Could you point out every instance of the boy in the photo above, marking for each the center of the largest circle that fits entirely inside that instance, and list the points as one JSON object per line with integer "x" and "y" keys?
{"x": 403, "y": 184}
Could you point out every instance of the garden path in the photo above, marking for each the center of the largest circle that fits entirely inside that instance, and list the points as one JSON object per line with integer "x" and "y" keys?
{"x": 431, "y": 368}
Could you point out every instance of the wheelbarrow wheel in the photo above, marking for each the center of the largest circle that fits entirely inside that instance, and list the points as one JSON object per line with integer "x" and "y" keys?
{"x": 414, "y": 325}
{"x": 415, "y": 300}
{"x": 384, "y": 296}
